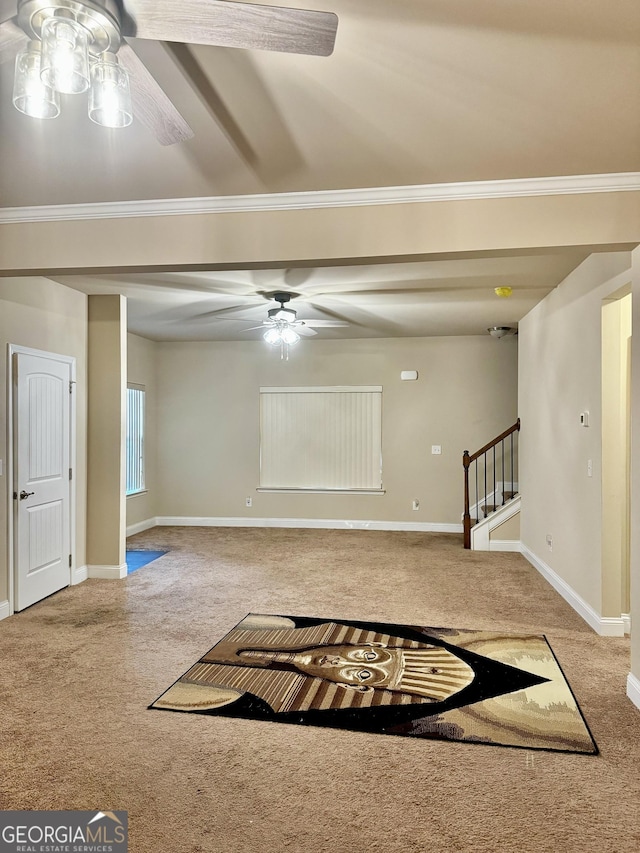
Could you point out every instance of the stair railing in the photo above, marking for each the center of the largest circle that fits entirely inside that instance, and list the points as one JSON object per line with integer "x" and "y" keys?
{"x": 492, "y": 460}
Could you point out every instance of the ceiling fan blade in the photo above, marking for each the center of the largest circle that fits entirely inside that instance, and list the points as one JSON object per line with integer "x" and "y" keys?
{"x": 305, "y": 331}
{"x": 252, "y": 328}
{"x": 326, "y": 324}
{"x": 231, "y": 24}
{"x": 12, "y": 39}
{"x": 150, "y": 103}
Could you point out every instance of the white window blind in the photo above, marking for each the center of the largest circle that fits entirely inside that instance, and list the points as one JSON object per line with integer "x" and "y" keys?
{"x": 135, "y": 440}
{"x": 325, "y": 438}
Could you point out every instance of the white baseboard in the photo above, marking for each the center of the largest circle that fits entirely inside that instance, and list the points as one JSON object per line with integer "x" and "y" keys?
{"x": 324, "y": 523}
{"x": 633, "y": 689}
{"x": 5, "y": 609}
{"x": 107, "y": 572}
{"x": 78, "y": 575}
{"x": 140, "y": 526}
{"x": 626, "y": 621}
{"x": 603, "y": 625}
{"x": 505, "y": 545}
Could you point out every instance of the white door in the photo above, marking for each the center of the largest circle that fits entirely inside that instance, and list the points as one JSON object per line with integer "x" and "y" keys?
{"x": 41, "y": 477}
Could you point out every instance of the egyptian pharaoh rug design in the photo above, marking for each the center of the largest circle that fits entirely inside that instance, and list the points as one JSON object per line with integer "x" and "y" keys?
{"x": 477, "y": 686}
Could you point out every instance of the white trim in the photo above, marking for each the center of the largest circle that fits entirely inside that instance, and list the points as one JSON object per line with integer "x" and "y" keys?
{"x": 321, "y": 389}
{"x": 481, "y": 532}
{"x": 292, "y": 490}
{"x": 633, "y": 689}
{"x": 459, "y": 191}
{"x": 147, "y": 524}
{"x": 324, "y": 523}
{"x": 505, "y": 545}
{"x": 79, "y": 575}
{"x": 107, "y": 572}
{"x": 626, "y": 621}
{"x": 5, "y": 609}
{"x": 603, "y": 625}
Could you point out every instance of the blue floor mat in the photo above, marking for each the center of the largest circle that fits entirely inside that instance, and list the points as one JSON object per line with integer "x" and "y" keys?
{"x": 138, "y": 559}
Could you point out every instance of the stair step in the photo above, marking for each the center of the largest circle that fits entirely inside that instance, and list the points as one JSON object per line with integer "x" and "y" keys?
{"x": 487, "y": 509}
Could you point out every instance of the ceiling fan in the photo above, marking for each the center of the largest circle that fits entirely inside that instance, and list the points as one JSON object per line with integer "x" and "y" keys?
{"x": 68, "y": 46}
{"x": 282, "y": 327}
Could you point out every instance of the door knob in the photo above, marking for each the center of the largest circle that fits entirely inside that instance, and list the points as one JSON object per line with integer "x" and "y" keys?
{"x": 24, "y": 495}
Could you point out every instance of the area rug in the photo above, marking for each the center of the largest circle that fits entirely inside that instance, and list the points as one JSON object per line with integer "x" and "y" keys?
{"x": 453, "y": 684}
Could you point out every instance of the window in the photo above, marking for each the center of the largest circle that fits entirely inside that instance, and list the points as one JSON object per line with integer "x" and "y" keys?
{"x": 321, "y": 438}
{"x": 135, "y": 439}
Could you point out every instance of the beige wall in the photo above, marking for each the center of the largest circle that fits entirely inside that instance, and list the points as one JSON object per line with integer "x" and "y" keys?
{"x": 208, "y": 425}
{"x": 509, "y": 530}
{"x": 141, "y": 370}
{"x": 332, "y": 233}
{"x": 43, "y": 315}
{"x": 107, "y": 372}
{"x": 560, "y": 377}
{"x": 635, "y": 468}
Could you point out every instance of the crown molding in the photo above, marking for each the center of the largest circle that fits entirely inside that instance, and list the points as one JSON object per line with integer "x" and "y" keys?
{"x": 462, "y": 191}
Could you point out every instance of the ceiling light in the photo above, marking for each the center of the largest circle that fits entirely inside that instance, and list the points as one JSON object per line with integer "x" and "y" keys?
{"x": 281, "y": 313}
{"x": 110, "y": 95}
{"x": 73, "y": 47}
{"x": 65, "y": 54}
{"x": 289, "y": 336}
{"x": 500, "y": 331}
{"x": 30, "y": 95}
{"x": 272, "y": 336}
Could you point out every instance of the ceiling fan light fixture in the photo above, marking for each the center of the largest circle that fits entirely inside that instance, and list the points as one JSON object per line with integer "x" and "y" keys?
{"x": 65, "y": 54}
{"x": 288, "y": 315}
{"x": 30, "y": 95}
{"x": 110, "y": 93}
{"x": 289, "y": 336}
{"x": 272, "y": 336}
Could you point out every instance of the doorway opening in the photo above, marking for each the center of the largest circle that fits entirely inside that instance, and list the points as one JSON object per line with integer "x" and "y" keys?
{"x": 616, "y": 456}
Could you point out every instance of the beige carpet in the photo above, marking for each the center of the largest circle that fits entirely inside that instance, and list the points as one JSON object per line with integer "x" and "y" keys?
{"x": 79, "y": 669}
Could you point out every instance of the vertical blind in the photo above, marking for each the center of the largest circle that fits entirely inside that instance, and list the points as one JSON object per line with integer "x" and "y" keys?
{"x": 321, "y": 438}
{"x": 135, "y": 440}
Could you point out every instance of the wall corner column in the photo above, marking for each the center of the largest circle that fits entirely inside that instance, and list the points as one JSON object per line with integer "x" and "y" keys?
{"x": 107, "y": 383}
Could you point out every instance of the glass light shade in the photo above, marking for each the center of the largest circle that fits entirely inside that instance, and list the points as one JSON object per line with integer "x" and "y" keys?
{"x": 65, "y": 56}
{"x": 30, "y": 95}
{"x": 272, "y": 336}
{"x": 288, "y": 336}
{"x": 110, "y": 95}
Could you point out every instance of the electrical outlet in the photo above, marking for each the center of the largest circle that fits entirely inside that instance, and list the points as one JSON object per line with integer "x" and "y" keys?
{"x": 248, "y": 501}
{"x": 416, "y": 504}
{"x": 589, "y": 468}
{"x": 436, "y": 449}
{"x": 549, "y": 541}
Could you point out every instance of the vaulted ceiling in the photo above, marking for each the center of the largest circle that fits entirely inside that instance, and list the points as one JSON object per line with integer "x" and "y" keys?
{"x": 416, "y": 92}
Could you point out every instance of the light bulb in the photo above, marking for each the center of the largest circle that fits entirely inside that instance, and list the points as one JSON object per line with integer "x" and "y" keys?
{"x": 289, "y": 336}
{"x": 30, "y": 95}
{"x": 110, "y": 95}
{"x": 272, "y": 336}
{"x": 65, "y": 56}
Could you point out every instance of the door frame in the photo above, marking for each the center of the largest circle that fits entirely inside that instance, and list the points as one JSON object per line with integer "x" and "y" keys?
{"x": 16, "y": 349}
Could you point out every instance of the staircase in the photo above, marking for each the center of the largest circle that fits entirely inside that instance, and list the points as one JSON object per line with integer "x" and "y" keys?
{"x": 491, "y": 476}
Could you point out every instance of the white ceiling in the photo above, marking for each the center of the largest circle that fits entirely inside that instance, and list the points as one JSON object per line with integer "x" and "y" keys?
{"x": 416, "y": 92}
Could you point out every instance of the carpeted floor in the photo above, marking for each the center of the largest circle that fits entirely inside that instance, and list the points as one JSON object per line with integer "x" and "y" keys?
{"x": 79, "y": 669}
